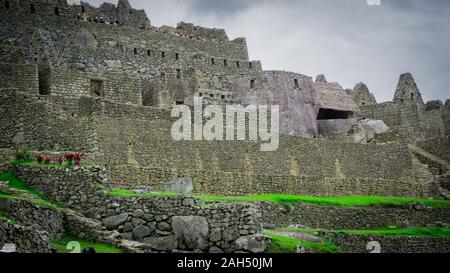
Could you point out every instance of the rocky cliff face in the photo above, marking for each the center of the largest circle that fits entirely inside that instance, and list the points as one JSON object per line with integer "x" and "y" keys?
{"x": 295, "y": 95}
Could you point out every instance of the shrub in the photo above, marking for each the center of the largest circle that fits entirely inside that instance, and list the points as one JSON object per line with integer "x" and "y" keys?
{"x": 61, "y": 160}
{"x": 47, "y": 160}
{"x": 24, "y": 155}
{"x": 74, "y": 158}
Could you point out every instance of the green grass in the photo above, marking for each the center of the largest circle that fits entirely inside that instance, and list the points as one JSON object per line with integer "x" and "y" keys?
{"x": 284, "y": 244}
{"x": 16, "y": 183}
{"x": 341, "y": 201}
{"x": 61, "y": 245}
{"x": 288, "y": 200}
{"x": 414, "y": 232}
{"x": 131, "y": 193}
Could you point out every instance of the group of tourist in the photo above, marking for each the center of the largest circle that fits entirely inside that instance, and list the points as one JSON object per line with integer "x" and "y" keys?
{"x": 97, "y": 20}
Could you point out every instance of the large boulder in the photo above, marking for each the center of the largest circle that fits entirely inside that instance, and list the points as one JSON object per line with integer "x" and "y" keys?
{"x": 115, "y": 221}
{"x": 368, "y": 129}
{"x": 141, "y": 231}
{"x": 192, "y": 231}
{"x": 85, "y": 39}
{"x": 253, "y": 243}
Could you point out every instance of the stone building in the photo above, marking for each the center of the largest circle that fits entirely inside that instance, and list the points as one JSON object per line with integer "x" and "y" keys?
{"x": 101, "y": 80}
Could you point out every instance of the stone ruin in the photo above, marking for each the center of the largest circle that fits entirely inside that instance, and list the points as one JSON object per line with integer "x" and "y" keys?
{"x": 102, "y": 80}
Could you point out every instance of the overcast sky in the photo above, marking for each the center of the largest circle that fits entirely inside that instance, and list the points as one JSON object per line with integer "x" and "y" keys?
{"x": 347, "y": 40}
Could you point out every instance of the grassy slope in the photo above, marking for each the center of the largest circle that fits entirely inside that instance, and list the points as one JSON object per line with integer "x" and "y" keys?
{"x": 284, "y": 244}
{"x": 415, "y": 232}
{"x": 344, "y": 201}
{"x": 61, "y": 244}
{"x": 16, "y": 183}
{"x": 131, "y": 193}
{"x": 341, "y": 201}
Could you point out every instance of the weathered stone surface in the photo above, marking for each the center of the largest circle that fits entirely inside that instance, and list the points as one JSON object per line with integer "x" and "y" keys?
{"x": 362, "y": 95}
{"x": 163, "y": 226}
{"x": 254, "y": 243}
{"x": 167, "y": 243}
{"x": 368, "y": 129}
{"x": 115, "y": 221}
{"x": 294, "y": 93}
{"x": 321, "y": 78}
{"x": 85, "y": 39}
{"x": 141, "y": 232}
{"x": 407, "y": 90}
{"x": 216, "y": 235}
{"x": 193, "y": 231}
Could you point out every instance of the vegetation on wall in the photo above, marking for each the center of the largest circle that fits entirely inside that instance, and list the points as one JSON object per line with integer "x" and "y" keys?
{"x": 61, "y": 245}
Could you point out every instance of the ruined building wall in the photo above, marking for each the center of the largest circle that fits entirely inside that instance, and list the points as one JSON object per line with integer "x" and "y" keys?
{"x": 434, "y": 119}
{"x": 135, "y": 145}
{"x": 23, "y": 77}
{"x": 294, "y": 93}
{"x": 394, "y": 114}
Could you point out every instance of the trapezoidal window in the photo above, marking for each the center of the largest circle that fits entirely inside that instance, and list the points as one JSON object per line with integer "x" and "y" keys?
{"x": 238, "y": 64}
{"x": 149, "y": 52}
{"x": 97, "y": 88}
{"x": 225, "y": 62}
{"x": 252, "y": 84}
{"x": 326, "y": 114}
{"x": 56, "y": 10}
{"x": 163, "y": 54}
{"x": 83, "y": 9}
{"x": 177, "y": 56}
{"x": 178, "y": 73}
{"x": 44, "y": 77}
{"x": 250, "y": 65}
{"x": 213, "y": 61}
{"x": 296, "y": 84}
{"x": 135, "y": 51}
{"x": 7, "y": 6}
{"x": 32, "y": 9}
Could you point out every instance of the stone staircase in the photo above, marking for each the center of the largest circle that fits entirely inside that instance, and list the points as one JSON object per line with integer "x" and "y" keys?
{"x": 439, "y": 167}
{"x": 76, "y": 223}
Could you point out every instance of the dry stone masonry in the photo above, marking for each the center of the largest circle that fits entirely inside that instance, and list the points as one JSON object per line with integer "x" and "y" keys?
{"x": 101, "y": 81}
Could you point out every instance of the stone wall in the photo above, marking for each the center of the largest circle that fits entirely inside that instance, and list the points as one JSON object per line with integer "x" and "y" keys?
{"x": 328, "y": 217}
{"x": 152, "y": 220}
{"x": 21, "y": 76}
{"x": 293, "y": 93}
{"x": 355, "y": 243}
{"x": 30, "y": 122}
{"x": 31, "y": 214}
{"x": 26, "y": 239}
{"x": 140, "y": 150}
{"x": 394, "y": 114}
{"x": 439, "y": 147}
